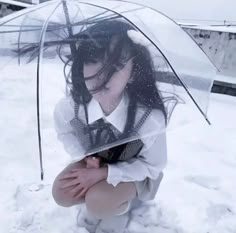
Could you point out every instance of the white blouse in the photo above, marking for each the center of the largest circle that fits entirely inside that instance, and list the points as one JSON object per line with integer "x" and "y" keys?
{"x": 152, "y": 157}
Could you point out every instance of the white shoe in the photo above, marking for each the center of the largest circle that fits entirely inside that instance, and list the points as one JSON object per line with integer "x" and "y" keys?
{"x": 86, "y": 220}
{"x": 113, "y": 224}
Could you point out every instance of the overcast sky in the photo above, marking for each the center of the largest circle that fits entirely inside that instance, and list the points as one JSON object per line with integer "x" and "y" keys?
{"x": 196, "y": 9}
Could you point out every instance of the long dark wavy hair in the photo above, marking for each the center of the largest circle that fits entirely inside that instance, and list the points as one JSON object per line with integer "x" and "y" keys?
{"x": 93, "y": 45}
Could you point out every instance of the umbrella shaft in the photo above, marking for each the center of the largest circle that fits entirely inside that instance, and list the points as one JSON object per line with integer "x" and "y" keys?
{"x": 69, "y": 27}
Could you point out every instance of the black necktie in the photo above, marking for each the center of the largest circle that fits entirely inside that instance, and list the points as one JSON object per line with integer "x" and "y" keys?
{"x": 102, "y": 133}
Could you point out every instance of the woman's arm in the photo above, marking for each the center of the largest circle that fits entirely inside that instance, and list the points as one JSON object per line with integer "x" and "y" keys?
{"x": 149, "y": 163}
{"x": 151, "y": 159}
{"x": 63, "y": 114}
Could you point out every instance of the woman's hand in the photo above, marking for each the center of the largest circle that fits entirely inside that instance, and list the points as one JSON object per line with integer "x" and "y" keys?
{"x": 93, "y": 162}
{"x": 80, "y": 180}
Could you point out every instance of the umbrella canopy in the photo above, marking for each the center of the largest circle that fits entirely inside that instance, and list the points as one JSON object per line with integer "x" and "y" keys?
{"x": 73, "y": 49}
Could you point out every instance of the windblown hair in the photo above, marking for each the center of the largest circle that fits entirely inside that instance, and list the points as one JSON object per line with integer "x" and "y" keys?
{"x": 94, "y": 45}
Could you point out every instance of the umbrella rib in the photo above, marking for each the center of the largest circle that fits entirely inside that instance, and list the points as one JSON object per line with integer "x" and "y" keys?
{"x": 92, "y": 17}
{"x": 17, "y": 25}
{"x": 139, "y": 4}
{"x": 37, "y": 28}
{"x": 19, "y": 37}
{"x": 27, "y": 12}
{"x": 69, "y": 27}
{"x": 50, "y": 28}
{"x": 162, "y": 55}
{"x": 105, "y": 17}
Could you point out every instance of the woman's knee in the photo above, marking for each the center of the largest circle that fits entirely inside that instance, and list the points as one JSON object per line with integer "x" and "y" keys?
{"x": 61, "y": 196}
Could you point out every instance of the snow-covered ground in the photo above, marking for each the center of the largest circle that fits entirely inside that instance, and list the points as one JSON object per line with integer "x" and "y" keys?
{"x": 225, "y": 28}
{"x": 227, "y": 79}
{"x": 197, "y": 194}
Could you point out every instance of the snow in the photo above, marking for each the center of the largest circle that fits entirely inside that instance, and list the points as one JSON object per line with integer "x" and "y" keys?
{"x": 226, "y": 28}
{"x": 197, "y": 194}
{"x": 225, "y": 78}
{"x": 138, "y": 38}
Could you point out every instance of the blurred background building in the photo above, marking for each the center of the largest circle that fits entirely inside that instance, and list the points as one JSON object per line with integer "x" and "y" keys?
{"x": 9, "y": 6}
{"x": 217, "y": 39}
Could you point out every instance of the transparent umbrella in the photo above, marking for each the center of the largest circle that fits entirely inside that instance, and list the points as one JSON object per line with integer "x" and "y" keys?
{"x": 63, "y": 56}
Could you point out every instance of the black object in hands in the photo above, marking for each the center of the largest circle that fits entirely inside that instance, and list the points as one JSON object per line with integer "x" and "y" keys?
{"x": 121, "y": 152}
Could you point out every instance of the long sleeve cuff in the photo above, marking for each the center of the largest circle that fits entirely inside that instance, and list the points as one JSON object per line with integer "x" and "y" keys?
{"x": 140, "y": 167}
{"x": 114, "y": 175}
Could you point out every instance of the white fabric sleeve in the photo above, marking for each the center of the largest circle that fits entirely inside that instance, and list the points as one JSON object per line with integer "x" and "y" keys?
{"x": 151, "y": 159}
{"x": 63, "y": 114}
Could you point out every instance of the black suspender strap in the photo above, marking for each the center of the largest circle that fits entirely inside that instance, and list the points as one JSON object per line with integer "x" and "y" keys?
{"x": 142, "y": 120}
{"x": 76, "y": 110}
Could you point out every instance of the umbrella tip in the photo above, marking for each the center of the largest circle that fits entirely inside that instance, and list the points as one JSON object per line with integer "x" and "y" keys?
{"x": 42, "y": 176}
{"x": 209, "y": 123}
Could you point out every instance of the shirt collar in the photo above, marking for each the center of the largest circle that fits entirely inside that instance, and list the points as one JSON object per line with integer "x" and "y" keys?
{"x": 117, "y": 118}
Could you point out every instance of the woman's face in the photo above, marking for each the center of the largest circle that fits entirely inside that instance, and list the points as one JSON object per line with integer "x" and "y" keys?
{"x": 115, "y": 86}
